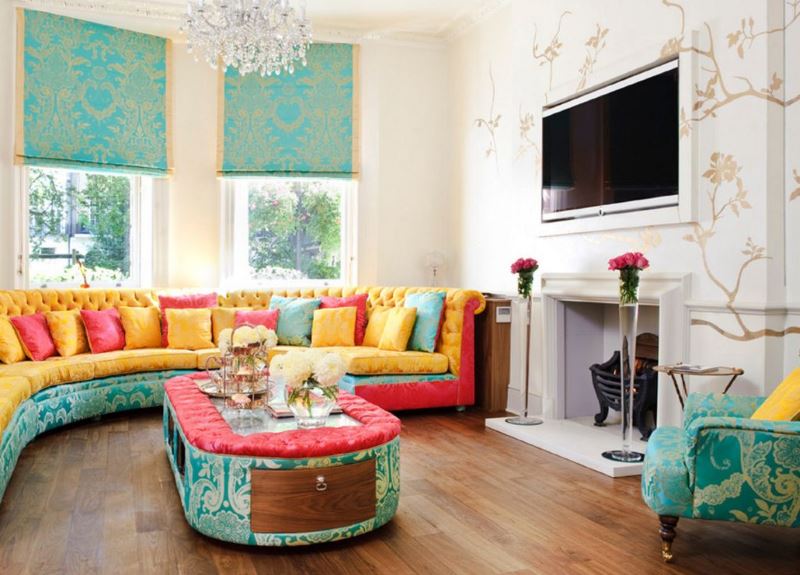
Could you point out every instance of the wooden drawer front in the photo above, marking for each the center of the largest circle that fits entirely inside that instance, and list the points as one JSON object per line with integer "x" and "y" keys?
{"x": 300, "y": 500}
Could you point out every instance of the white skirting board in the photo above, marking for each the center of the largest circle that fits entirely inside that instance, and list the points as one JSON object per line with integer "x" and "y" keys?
{"x": 577, "y": 440}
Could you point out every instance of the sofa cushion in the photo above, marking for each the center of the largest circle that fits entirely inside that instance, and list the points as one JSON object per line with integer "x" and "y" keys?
{"x": 35, "y": 336}
{"x": 372, "y": 361}
{"x": 377, "y": 323}
{"x": 202, "y": 356}
{"x": 295, "y": 319}
{"x": 398, "y": 329}
{"x": 142, "y": 326}
{"x": 224, "y": 318}
{"x": 10, "y": 347}
{"x": 189, "y": 328}
{"x": 67, "y": 331}
{"x": 183, "y": 301}
{"x": 783, "y": 404}
{"x": 136, "y": 360}
{"x": 358, "y": 301}
{"x": 266, "y": 317}
{"x": 335, "y": 326}
{"x": 53, "y": 371}
{"x": 104, "y": 330}
{"x": 430, "y": 308}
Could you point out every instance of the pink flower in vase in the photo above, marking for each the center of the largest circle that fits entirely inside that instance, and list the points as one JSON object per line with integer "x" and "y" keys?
{"x": 629, "y": 260}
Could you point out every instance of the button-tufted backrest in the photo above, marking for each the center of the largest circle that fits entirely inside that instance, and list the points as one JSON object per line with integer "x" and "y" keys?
{"x": 26, "y": 302}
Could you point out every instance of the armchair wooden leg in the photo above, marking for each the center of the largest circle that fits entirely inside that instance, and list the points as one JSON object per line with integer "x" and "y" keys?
{"x": 667, "y": 532}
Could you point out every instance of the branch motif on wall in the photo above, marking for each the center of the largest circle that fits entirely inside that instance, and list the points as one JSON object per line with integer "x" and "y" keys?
{"x": 491, "y": 123}
{"x": 796, "y": 192}
{"x": 594, "y": 45}
{"x": 527, "y": 123}
{"x": 724, "y": 174}
{"x": 718, "y": 92}
{"x": 552, "y": 51}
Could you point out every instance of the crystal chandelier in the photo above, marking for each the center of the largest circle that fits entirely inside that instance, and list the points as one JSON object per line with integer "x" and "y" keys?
{"x": 264, "y": 36}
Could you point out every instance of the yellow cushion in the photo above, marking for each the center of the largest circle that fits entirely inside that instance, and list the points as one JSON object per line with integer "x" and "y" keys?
{"x": 189, "y": 328}
{"x": 142, "y": 327}
{"x": 224, "y": 318}
{"x": 333, "y": 326}
{"x": 13, "y": 391}
{"x": 377, "y": 322}
{"x": 361, "y": 360}
{"x": 783, "y": 404}
{"x": 398, "y": 329}
{"x": 203, "y": 355}
{"x": 136, "y": 360}
{"x": 67, "y": 331}
{"x": 10, "y": 347}
{"x": 52, "y": 371}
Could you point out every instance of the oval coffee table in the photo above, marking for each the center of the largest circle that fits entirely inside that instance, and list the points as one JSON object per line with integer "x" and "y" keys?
{"x": 272, "y": 484}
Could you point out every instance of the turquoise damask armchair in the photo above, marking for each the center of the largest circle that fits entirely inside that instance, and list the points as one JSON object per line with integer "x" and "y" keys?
{"x": 723, "y": 465}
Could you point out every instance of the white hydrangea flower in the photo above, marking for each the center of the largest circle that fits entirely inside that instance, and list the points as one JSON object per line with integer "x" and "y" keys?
{"x": 244, "y": 336}
{"x": 268, "y": 337}
{"x": 329, "y": 369}
{"x": 224, "y": 340}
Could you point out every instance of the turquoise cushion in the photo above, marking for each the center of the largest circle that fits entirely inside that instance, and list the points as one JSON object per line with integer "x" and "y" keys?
{"x": 295, "y": 319}
{"x": 429, "y": 306}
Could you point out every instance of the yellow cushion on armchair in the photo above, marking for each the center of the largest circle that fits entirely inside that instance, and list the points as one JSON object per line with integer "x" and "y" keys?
{"x": 783, "y": 404}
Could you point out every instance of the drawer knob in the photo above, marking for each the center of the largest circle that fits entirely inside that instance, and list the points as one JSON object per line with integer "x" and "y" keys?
{"x": 321, "y": 484}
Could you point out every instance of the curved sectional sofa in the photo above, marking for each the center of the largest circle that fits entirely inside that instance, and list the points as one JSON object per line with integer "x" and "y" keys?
{"x": 39, "y": 396}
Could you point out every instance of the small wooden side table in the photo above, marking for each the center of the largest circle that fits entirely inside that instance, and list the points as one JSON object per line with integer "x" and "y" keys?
{"x": 684, "y": 370}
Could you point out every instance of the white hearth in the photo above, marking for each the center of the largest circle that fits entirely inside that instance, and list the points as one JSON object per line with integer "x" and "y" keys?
{"x": 568, "y": 326}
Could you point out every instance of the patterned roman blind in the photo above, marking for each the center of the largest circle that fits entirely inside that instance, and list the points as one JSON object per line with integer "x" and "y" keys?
{"x": 91, "y": 96}
{"x": 301, "y": 125}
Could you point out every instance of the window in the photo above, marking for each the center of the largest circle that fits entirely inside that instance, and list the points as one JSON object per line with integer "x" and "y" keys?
{"x": 289, "y": 231}
{"x": 100, "y": 221}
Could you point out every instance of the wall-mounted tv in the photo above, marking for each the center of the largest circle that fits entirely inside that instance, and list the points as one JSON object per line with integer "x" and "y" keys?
{"x": 614, "y": 149}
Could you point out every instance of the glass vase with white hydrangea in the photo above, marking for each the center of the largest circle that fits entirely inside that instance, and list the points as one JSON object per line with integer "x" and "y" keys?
{"x": 311, "y": 379}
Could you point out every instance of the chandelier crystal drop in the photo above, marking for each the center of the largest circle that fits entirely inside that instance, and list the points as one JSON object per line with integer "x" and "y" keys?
{"x": 264, "y": 36}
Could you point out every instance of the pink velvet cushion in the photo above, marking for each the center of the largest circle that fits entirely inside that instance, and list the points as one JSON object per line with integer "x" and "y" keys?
{"x": 205, "y": 428}
{"x": 34, "y": 335}
{"x": 266, "y": 317}
{"x": 358, "y": 301}
{"x": 104, "y": 330}
{"x": 182, "y": 302}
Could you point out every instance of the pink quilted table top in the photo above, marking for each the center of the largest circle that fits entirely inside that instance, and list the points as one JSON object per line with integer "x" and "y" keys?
{"x": 205, "y": 428}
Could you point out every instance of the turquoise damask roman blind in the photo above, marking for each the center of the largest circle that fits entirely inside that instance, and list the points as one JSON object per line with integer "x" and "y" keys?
{"x": 303, "y": 124}
{"x": 91, "y": 96}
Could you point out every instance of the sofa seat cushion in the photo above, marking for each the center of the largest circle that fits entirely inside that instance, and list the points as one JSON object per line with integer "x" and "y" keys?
{"x": 373, "y": 361}
{"x": 202, "y": 356}
{"x": 13, "y": 391}
{"x": 136, "y": 360}
{"x": 83, "y": 367}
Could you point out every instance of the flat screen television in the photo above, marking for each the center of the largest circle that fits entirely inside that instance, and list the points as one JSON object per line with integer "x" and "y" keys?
{"x": 614, "y": 149}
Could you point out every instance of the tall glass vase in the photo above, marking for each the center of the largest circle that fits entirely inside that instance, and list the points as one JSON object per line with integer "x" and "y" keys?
{"x": 524, "y": 419}
{"x": 628, "y": 322}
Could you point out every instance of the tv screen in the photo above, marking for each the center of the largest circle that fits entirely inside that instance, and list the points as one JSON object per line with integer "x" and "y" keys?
{"x": 615, "y": 146}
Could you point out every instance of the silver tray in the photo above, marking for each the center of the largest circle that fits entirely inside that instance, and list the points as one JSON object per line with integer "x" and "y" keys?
{"x": 210, "y": 388}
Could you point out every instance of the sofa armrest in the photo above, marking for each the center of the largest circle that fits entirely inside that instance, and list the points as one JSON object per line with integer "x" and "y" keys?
{"x": 718, "y": 405}
{"x": 744, "y": 469}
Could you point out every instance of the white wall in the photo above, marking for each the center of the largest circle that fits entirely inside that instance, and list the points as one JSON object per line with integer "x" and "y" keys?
{"x": 403, "y": 190}
{"x": 495, "y": 200}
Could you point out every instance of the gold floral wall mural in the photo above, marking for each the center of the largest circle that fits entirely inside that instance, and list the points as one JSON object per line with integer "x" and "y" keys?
{"x": 719, "y": 90}
{"x": 796, "y": 192}
{"x": 728, "y": 195}
{"x": 552, "y": 51}
{"x": 491, "y": 123}
{"x": 594, "y": 45}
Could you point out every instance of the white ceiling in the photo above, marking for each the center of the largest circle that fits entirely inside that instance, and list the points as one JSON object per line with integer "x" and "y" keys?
{"x": 405, "y": 19}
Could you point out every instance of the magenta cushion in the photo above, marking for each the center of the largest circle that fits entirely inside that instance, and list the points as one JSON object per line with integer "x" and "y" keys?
{"x": 266, "y": 317}
{"x": 34, "y": 335}
{"x": 104, "y": 330}
{"x": 358, "y": 301}
{"x": 182, "y": 302}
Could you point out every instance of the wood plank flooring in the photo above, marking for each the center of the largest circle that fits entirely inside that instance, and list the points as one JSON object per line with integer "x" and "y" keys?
{"x": 98, "y": 497}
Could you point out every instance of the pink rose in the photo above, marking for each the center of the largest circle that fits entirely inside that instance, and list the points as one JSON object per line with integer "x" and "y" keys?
{"x": 628, "y": 260}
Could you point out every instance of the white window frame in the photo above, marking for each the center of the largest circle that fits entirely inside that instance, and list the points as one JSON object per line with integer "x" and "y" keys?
{"x": 234, "y": 250}
{"x": 145, "y": 234}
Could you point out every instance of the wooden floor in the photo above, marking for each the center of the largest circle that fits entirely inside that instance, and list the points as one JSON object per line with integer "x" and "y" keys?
{"x": 98, "y": 497}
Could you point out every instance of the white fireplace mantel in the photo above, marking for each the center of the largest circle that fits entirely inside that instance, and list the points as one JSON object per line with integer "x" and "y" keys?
{"x": 668, "y": 291}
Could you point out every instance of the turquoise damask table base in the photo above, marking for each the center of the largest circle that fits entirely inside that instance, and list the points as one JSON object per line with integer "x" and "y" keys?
{"x": 254, "y": 498}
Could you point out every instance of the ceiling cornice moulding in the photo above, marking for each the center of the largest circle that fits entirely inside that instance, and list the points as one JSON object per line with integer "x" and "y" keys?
{"x": 161, "y": 10}
{"x": 466, "y": 22}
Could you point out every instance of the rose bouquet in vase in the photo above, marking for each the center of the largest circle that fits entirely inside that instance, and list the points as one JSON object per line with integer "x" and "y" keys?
{"x": 524, "y": 268}
{"x": 312, "y": 379}
{"x": 628, "y": 265}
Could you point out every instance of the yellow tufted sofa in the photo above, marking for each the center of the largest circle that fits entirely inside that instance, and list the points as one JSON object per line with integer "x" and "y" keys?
{"x": 38, "y": 396}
